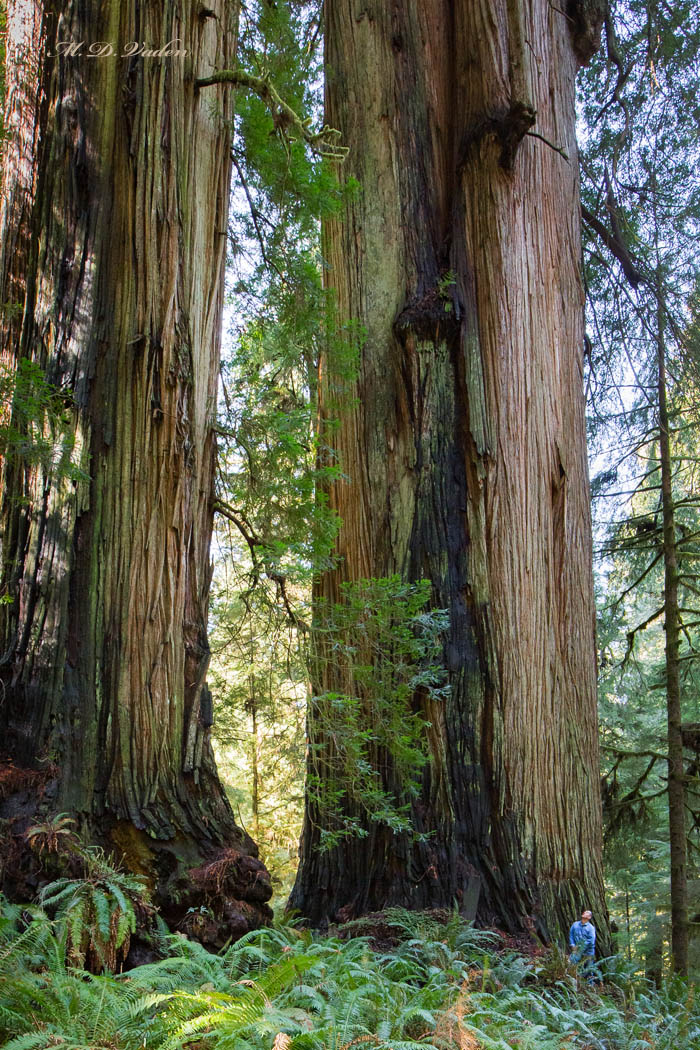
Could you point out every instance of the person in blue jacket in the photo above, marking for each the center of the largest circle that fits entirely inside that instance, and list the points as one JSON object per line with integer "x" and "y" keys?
{"x": 582, "y": 944}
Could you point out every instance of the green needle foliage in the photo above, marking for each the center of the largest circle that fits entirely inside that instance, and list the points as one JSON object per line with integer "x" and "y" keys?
{"x": 385, "y": 641}
{"x": 37, "y": 425}
{"x": 640, "y": 105}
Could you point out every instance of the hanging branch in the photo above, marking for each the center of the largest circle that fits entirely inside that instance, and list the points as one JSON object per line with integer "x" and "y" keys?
{"x": 631, "y": 635}
{"x": 622, "y": 753}
{"x": 616, "y": 246}
{"x": 636, "y": 583}
{"x": 324, "y": 142}
{"x": 557, "y": 149}
{"x": 634, "y": 796}
{"x": 623, "y": 75}
{"x": 255, "y": 545}
{"x": 254, "y": 214}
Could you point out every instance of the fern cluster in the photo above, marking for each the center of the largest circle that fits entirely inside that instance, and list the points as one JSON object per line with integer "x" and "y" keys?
{"x": 443, "y": 986}
{"x": 97, "y": 913}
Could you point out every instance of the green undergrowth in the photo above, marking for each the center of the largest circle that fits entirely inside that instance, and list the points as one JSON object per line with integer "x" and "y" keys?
{"x": 440, "y": 985}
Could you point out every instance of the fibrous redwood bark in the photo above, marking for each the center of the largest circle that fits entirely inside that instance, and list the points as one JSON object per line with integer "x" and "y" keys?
{"x": 114, "y": 221}
{"x": 464, "y": 447}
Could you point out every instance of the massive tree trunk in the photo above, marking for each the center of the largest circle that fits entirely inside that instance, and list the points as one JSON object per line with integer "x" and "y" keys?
{"x": 114, "y": 222}
{"x": 464, "y": 447}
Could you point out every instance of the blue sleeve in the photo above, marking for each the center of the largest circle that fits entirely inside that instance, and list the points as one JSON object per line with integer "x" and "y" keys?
{"x": 572, "y": 943}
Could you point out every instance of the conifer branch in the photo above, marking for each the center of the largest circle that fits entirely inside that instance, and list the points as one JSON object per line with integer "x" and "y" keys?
{"x": 324, "y": 142}
{"x": 256, "y": 544}
{"x": 615, "y": 246}
{"x": 557, "y": 149}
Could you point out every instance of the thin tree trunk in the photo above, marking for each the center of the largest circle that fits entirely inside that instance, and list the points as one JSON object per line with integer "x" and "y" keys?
{"x": 676, "y": 773}
{"x": 465, "y": 449}
{"x": 654, "y": 952}
{"x": 254, "y": 742}
{"x": 116, "y": 182}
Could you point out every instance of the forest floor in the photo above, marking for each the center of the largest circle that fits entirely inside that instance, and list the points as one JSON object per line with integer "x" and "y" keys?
{"x": 410, "y": 981}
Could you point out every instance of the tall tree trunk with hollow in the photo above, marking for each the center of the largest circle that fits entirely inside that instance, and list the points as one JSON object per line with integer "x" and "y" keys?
{"x": 464, "y": 447}
{"x": 114, "y": 222}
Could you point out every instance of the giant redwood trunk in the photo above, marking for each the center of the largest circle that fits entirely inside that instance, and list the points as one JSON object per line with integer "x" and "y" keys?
{"x": 114, "y": 221}
{"x": 464, "y": 448}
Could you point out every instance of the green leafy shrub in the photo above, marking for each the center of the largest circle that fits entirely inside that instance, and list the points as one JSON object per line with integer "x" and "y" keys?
{"x": 384, "y": 643}
{"x": 36, "y": 426}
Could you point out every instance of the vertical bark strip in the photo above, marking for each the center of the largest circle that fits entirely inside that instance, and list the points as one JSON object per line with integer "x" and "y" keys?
{"x": 114, "y": 230}
{"x": 676, "y": 771}
{"x": 22, "y": 103}
{"x": 465, "y": 448}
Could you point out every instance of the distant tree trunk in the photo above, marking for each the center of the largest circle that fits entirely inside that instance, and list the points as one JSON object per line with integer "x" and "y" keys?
{"x": 114, "y": 222}
{"x": 676, "y": 771}
{"x": 465, "y": 447}
{"x": 254, "y": 742}
{"x": 654, "y": 951}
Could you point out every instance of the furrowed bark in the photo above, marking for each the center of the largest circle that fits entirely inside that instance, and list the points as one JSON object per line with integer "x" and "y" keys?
{"x": 465, "y": 451}
{"x": 676, "y": 770}
{"x": 116, "y": 181}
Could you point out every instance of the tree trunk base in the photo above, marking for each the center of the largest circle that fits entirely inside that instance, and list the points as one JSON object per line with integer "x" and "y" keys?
{"x": 212, "y": 887}
{"x": 495, "y": 891}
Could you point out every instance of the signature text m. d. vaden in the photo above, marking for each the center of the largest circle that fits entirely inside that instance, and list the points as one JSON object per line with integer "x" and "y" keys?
{"x": 105, "y": 49}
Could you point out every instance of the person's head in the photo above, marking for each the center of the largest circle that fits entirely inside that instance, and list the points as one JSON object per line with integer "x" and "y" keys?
{"x": 586, "y": 916}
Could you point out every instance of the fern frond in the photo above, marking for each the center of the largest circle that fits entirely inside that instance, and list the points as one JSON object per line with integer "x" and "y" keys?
{"x": 103, "y": 913}
{"x": 31, "y": 1041}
